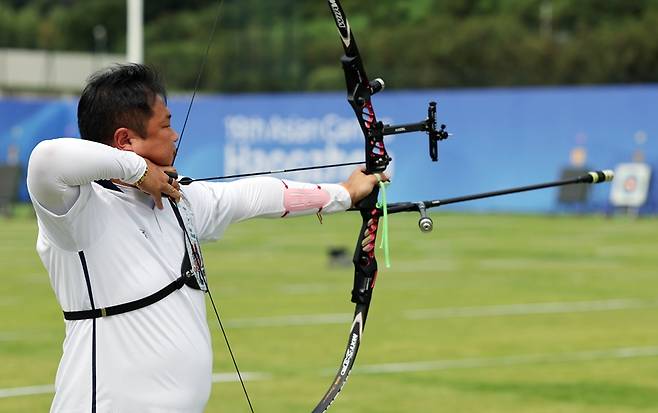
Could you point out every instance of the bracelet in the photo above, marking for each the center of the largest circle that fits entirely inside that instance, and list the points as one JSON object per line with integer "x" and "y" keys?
{"x": 141, "y": 180}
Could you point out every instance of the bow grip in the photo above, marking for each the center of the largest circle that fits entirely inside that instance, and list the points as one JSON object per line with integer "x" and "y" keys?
{"x": 365, "y": 263}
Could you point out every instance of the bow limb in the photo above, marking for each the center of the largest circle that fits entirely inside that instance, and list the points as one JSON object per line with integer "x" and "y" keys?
{"x": 359, "y": 92}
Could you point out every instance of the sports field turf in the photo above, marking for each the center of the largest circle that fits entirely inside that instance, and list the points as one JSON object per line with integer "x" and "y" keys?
{"x": 489, "y": 313}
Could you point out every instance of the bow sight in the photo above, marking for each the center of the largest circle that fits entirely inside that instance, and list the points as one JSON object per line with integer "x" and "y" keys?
{"x": 428, "y": 125}
{"x": 359, "y": 96}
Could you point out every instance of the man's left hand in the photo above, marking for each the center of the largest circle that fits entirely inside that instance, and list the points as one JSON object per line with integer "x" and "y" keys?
{"x": 359, "y": 184}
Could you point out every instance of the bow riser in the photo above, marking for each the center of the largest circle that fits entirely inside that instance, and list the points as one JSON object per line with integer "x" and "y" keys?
{"x": 365, "y": 262}
{"x": 359, "y": 92}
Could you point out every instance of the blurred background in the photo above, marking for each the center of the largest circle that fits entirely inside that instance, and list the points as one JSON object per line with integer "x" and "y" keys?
{"x": 554, "y": 87}
{"x": 532, "y": 91}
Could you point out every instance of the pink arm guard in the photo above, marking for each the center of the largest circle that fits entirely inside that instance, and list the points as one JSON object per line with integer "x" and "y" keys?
{"x": 304, "y": 199}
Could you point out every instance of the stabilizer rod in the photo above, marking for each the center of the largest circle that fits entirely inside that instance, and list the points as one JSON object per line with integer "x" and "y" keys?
{"x": 594, "y": 177}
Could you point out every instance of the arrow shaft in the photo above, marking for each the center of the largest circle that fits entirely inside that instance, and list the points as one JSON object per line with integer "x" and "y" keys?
{"x": 276, "y": 171}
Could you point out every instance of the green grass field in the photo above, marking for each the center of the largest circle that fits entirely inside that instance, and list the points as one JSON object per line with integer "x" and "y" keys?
{"x": 489, "y": 313}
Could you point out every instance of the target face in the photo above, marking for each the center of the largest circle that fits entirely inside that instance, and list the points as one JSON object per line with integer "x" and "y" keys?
{"x": 631, "y": 185}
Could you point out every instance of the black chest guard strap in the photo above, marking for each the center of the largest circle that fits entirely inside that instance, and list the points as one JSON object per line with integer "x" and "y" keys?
{"x": 125, "y": 307}
{"x": 185, "y": 278}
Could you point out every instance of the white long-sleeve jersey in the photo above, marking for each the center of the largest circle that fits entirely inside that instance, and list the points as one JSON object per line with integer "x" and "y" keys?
{"x": 104, "y": 247}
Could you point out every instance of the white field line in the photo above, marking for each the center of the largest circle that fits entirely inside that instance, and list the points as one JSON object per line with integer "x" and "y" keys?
{"x": 531, "y": 308}
{"x": 298, "y": 289}
{"x": 452, "y": 312}
{"x": 317, "y": 288}
{"x": 27, "y": 391}
{"x": 8, "y": 301}
{"x": 394, "y": 368}
{"x": 290, "y": 320}
{"x": 515, "y": 360}
{"x": 426, "y": 314}
{"x": 12, "y": 336}
{"x": 50, "y": 388}
{"x": 483, "y": 311}
{"x": 246, "y": 376}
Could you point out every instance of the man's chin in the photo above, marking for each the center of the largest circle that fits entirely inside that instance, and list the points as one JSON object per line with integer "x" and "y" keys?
{"x": 161, "y": 163}
{"x": 164, "y": 162}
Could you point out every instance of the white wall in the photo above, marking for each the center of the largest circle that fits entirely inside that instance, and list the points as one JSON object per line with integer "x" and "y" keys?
{"x": 39, "y": 69}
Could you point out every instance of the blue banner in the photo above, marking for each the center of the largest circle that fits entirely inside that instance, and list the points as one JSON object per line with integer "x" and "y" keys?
{"x": 501, "y": 138}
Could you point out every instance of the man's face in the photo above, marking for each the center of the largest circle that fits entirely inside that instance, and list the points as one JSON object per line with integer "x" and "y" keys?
{"x": 159, "y": 143}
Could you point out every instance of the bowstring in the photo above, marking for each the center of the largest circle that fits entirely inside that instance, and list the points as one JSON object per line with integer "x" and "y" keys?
{"x": 219, "y": 320}
{"x": 180, "y": 140}
{"x": 197, "y": 82}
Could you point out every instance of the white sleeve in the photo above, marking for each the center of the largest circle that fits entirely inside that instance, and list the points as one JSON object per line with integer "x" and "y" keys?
{"x": 58, "y": 167}
{"x": 217, "y": 205}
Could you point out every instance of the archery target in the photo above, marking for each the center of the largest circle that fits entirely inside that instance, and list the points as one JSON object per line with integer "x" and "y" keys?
{"x": 631, "y": 185}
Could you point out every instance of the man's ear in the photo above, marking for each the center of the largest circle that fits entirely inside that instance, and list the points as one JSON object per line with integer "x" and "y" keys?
{"x": 123, "y": 139}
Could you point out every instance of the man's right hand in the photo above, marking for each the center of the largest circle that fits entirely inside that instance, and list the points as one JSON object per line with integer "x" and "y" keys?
{"x": 157, "y": 183}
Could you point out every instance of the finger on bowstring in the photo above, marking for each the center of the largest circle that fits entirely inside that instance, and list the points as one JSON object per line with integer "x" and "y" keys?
{"x": 173, "y": 178}
{"x": 173, "y": 193}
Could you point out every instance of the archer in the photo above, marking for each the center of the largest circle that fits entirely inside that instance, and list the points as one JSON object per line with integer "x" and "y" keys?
{"x": 125, "y": 266}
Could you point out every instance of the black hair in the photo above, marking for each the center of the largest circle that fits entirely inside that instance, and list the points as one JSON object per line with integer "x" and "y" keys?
{"x": 120, "y": 96}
